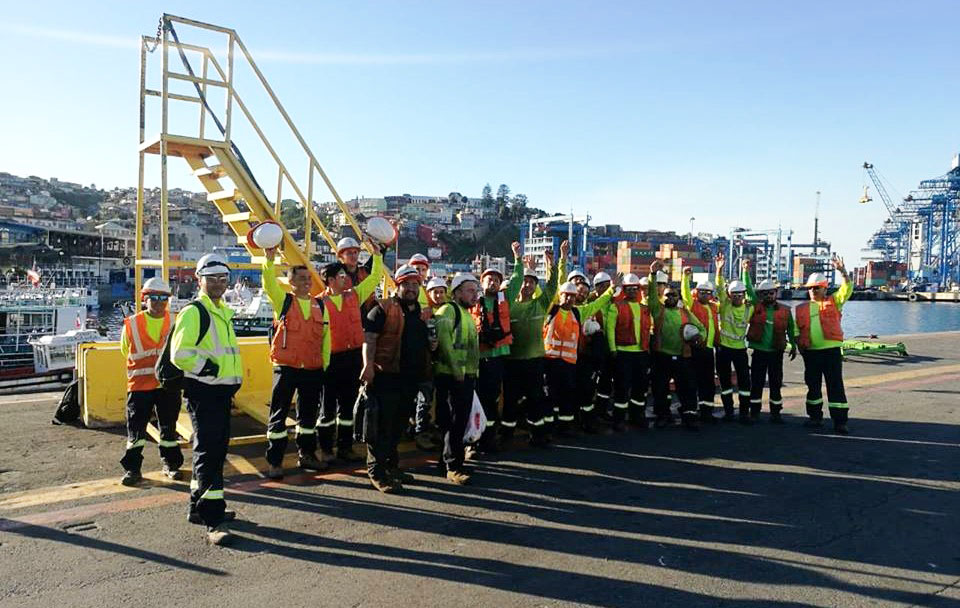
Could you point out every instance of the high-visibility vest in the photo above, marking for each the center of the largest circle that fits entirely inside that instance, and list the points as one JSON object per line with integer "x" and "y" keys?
{"x": 625, "y": 334}
{"x": 503, "y": 310}
{"x": 732, "y": 329}
{"x": 387, "y": 356}
{"x": 218, "y": 345}
{"x": 684, "y": 319}
{"x": 758, "y": 323}
{"x": 705, "y": 313}
{"x": 297, "y": 341}
{"x": 830, "y": 317}
{"x": 464, "y": 339}
{"x": 144, "y": 351}
{"x": 346, "y": 329}
{"x": 561, "y": 334}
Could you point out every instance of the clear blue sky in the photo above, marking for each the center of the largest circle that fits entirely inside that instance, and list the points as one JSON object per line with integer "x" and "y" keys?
{"x": 642, "y": 114}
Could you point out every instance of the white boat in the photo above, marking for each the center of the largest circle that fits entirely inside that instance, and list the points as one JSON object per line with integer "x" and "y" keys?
{"x": 32, "y": 313}
{"x": 51, "y": 353}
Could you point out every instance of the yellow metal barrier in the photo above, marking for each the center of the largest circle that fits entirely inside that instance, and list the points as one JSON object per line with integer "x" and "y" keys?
{"x": 103, "y": 382}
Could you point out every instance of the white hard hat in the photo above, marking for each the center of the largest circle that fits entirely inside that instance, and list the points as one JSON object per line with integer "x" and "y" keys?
{"x": 576, "y": 273}
{"x": 590, "y": 327}
{"x": 381, "y": 230}
{"x": 601, "y": 277}
{"x": 736, "y": 287}
{"x": 662, "y": 277}
{"x": 155, "y": 285}
{"x": 817, "y": 279}
{"x": 705, "y": 286}
{"x": 212, "y": 263}
{"x": 631, "y": 280}
{"x": 347, "y": 242}
{"x": 406, "y": 273}
{"x": 690, "y": 332}
{"x": 436, "y": 282}
{"x": 644, "y": 281}
{"x": 419, "y": 258}
{"x": 266, "y": 235}
{"x": 491, "y": 271}
{"x": 460, "y": 278}
{"x": 569, "y": 287}
{"x": 528, "y": 272}
{"x": 767, "y": 285}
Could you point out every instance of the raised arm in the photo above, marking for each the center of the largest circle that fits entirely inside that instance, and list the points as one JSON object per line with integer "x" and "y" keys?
{"x": 369, "y": 284}
{"x": 516, "y": 279}
{"x": 745, "y": 277}
{"x": 721, "y": 291}
{"x": 846, "y": 287}
{"x": 271, "y": 285}
{"x": 685, "y": 292}
{"x": 653, "y": 299}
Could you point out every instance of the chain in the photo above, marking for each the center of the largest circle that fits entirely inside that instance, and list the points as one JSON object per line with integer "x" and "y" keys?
{"x": 159, "y": 34}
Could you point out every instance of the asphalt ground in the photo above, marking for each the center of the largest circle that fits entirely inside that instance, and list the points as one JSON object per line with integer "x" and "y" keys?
{"x": 730, "y": 516}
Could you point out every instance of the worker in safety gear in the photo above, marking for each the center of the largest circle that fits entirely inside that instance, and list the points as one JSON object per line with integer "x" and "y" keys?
{"x": 703, "y": 306}
{"x": 396, "y": 360}
{"x": 561, "y": 342}
{"x": 735, "y": 313}
{"x": 422, "y": 264}
{"x": 298, "y": 363}
{"x": 604, "y": 385}
{"x": 141, "y": 342}
{"x": 424, "y": 434}
{"x": 436, "y": 293}
{"x": 662, "y": 282}
{"x": 455, "y": 372}
{"x": 212, "y": 374}
{"x": 628, "y": 329}
{"x": 820, "y": 337}
{"x": 771, "y": 328}
{"x": 342, "y": 350}
{"x": 591, "y": 353}
{"x": 491, "y": 314}
{"x": 348, "y": 253}
{"x": 523, "y": 367}
{"x": 671, "y": 358}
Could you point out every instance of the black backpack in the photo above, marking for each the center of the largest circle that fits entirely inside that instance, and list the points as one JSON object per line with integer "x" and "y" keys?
{"x": 169, "y": 375}
{"x": 68, "y": 410}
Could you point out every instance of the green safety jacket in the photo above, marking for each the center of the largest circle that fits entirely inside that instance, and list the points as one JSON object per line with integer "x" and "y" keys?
{"x": 734, "y": 320}
{"x": 766, "y": 342}
{"x": 459, "y": 351}
{"x": 219, "y": 345}
{"x": 527, "y": 318}
{"x": 668, "y": 323}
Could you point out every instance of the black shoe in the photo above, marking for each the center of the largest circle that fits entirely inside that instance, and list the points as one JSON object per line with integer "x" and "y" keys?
{"x": 813, "y": 423}
{"x": 539, "y": 442}
{"x": 228, "y": 515}
{"x": 170, "y": 472}
{"x": 131, "y": 478}
{"x": 402, "y": 477}
{"x": 274, "y": 472}
{"x": 776, "y": 418}
{"x": 841, "y": 429}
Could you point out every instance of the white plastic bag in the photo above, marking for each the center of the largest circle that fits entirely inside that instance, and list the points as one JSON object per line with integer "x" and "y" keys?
{"x": 476, "y": 423}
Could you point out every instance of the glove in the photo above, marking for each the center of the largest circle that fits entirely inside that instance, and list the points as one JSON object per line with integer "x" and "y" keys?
{"x": 209, "y": 369}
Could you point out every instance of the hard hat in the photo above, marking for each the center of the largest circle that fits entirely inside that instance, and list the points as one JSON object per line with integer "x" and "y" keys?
{"x": 347, "y": 242}
{"x": 631, "y": 280}
{"x": 644, "y": 281}
{"x": 419, "y": 258}
{"x": 436, "y": 282}
{"x": 662, "y": 277}
{"x": 212, "y": 263}
{"x": 569, "y": 287}
{"x": 491, "y": 271}
{"x": 705, "y": 286}
{"x": 590, "y": 327}
{"x": 767, "y": 285}
{"x": 265, "y": 235}
{"x": 527, "y": 272}
{"x": 155, "y": 285}
{"x": 460, "y": 278}
{"x": 381, "y": 230}
{"x": 817, "y": 279}
{"x": 736, "y": 287}
{"x": 406, "y": 273}
{"x": 601, "y": 277}
{"x": 573, "y": 274}
{"x": 690, "y": 332}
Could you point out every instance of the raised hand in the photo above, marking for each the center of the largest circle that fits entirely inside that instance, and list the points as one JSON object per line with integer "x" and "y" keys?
{"x": 515, "y": 246}
{"x": 656, "y": 266}
{"x": 838, "y": 263}
{"x": 564, "y": 249}
{"x": 270, "y": 254}
{"x": 719, "y": 261}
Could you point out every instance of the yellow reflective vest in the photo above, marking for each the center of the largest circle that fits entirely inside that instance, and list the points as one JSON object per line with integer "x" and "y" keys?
{"x": 218, "y": 345}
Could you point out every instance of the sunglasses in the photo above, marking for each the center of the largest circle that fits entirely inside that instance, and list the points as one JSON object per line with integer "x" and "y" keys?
{"x": 671, "y": 295}
{"x": 158, "y": 298}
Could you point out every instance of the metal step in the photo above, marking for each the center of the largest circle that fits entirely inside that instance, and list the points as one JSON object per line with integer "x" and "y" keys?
{"x": 223, "y": 195}
{"x": 243, "y": 216}
{"x": 214, "y": 172}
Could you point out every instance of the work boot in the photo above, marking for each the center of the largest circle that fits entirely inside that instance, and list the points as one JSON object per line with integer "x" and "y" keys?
{"x": 274, "y": 472}
{"x": 349, "y": 455}
{"x": 228, "y": 515}
{"x": 131, "y": 478}
{"x": 326, "y": 456}
{"x": 813, "y": 423}
{"x": 170, "y": 472}
{"x": 458, "y": 477}
{"x": 220, "y": 535}
{"x": 566, "y": 430}
{"x": 309, "y": 462}
{"x": 401, "y": 476}
{"x": 425, "y": 442}
{"x": 384, "y": 486}
{"x": 841, "y": 429}
{"x": 539, "y": 441}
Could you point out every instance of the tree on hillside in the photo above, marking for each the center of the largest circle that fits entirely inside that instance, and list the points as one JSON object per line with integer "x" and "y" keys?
{"x": 503, "y": 194}
{"x": 487, "y": 196}
{"x": 518, "y": 205}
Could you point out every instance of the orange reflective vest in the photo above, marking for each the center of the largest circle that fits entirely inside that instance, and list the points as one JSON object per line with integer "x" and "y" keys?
{"x": 625, "y": 334}
{"x": 144, "y": 352}
{"x": 829, "y": 321}
{"x": 503, "y": 310}
{"x": 703, "y": 313}
{"x": 758, "y": 322}
{"x": 346, "y": 329}
{"x": 561, "y": 334}
{"x": 387, "y": 356}
{"x": 298, "y": 342}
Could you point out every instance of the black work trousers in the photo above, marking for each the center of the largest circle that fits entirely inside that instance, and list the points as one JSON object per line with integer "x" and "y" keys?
{"x": 307, "y": 383}
{"x": 523, "y": 390}
{"x": 586, "y": 380}
{"x": 141, "y": 405}
{"x": 679, "y": 369}
{"x": 489, "y": 387}
{"x": 209, "y": 409}
{"x": 704, "y": 366}
{"x": 561, "y": 389}
{"x": 605, "y": 383}
{"x": 341, "y": 384}
{"x": 454, "y": 401}
{"x": 395, "y": 399}
{"x": 630, "y": 384}
{"x": 825, "y": 365}
{"x": 729, "y": 359}
{"x": 766, "y": 364}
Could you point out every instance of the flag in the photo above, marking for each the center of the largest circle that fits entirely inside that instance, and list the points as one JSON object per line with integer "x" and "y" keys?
{"x": 34, "y": 275}
{"x": 79, "y": 322}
